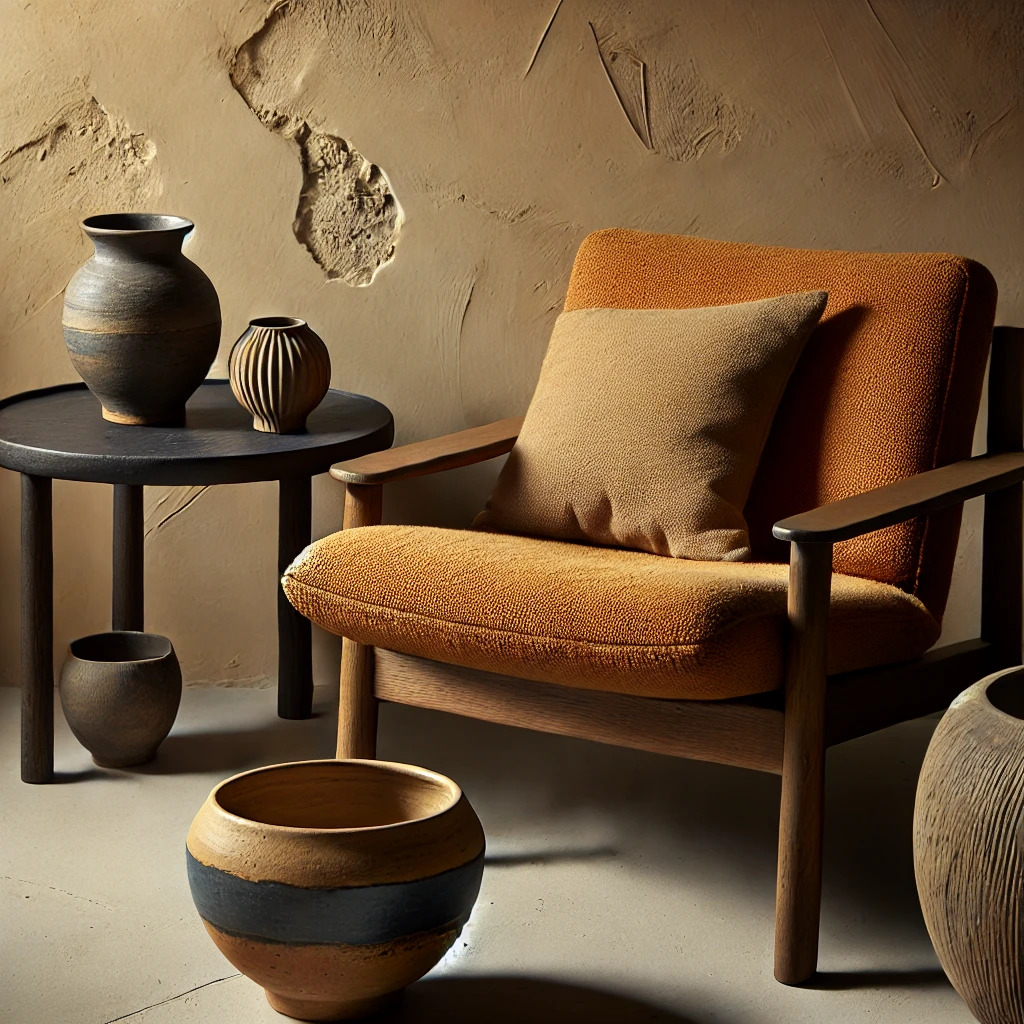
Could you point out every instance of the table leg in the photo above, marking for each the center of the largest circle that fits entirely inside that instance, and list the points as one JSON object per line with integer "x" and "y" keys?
{"x": 294, "y": 632}
{"x": 129, "y": 537}
{"x": 36, "y": 629}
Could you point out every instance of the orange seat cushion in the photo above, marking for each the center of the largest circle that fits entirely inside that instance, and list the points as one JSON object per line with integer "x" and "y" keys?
{"x": 590, "y": 617}
{"x": 888, "y": 385}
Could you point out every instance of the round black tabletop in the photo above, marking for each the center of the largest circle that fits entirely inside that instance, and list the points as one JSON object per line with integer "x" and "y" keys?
{"x": 59, "y": 432}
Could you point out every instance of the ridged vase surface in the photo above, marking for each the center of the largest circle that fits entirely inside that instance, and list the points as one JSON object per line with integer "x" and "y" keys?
{"x": 279, "y": 370}
{"x": 967, "y": 846}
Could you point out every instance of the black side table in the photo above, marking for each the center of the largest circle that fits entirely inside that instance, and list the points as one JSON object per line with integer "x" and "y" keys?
{"x": 58, "y": 433}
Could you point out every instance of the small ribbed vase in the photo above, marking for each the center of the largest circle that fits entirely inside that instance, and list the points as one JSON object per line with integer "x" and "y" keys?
{"x": 280, "y": 371}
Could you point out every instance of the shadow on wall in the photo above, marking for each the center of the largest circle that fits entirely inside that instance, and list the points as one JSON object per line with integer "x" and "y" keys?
{"x": 512, "y": 1000}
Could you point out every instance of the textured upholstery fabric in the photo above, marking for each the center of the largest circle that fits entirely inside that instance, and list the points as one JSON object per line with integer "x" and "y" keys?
{"x": 647, "y": 425}
{"x": 584, "y": 616}
{"x": 888, "y": 385}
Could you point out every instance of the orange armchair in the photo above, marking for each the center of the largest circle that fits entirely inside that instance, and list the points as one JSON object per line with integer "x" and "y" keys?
{"x": 749, "y": 664}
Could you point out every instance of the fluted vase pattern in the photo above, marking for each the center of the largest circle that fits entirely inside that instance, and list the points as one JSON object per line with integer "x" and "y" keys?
{"x": 280, "y": 370}
{"x": 968, "y": 857}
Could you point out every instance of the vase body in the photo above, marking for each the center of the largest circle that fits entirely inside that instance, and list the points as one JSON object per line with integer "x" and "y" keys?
{"x": 280, "y": 370}
{"x": 141, "y": 321}
{"x": 335, "y": 884}
{"x": 967, "y": 845}
{"x": 120, "y": 693}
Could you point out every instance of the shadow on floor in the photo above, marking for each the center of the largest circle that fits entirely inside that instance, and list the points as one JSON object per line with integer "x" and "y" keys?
{"x": 84, "y": 775}
{"x": 681, "y": 813}
{"x": 511, "y": 860}
{"x": 841, "y": 981}
{"x": 515, "y": 1000}
{"x": 229, "y": 752}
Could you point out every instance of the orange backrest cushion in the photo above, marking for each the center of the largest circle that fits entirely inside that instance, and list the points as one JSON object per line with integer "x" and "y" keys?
{"x": 888, "y": 385}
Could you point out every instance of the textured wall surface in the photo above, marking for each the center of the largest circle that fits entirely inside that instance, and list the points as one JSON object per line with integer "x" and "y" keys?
{"x": 413, "y": 179}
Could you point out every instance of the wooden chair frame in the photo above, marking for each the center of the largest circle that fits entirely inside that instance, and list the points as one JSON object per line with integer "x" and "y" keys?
{"x": 786, "y": 732}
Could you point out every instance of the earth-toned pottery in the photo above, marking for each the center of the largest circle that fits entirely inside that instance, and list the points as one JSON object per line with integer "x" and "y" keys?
{"x": 141, "y": 322}
{"x": 120, "y": 693}
{"x": 280, "y": 371}
{"x": 967, "y": 845}
{"x": 335, "y": 884}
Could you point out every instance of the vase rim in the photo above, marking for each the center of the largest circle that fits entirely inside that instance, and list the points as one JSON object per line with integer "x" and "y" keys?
{"x": 454, "y": 792}
{"x": 128, "y": 224}
{"x": 114, "y": 646}
{"x": 1003, "y": 694}
{"x": 277, "y": 322}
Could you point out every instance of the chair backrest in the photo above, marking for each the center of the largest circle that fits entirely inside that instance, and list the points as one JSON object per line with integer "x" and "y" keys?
{"x": 888, "y": 386}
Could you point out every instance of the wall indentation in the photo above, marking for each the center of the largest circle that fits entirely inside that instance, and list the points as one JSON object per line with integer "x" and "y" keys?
{"x": 82, "y": 136}
{"x": 347, "y": 215}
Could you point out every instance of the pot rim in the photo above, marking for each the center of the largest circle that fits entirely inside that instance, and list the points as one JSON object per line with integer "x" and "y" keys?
{"x": 995, "y": 679}
{"x": 124, "y": 661}
{"x": 277, "y": 323}
{"x": 395, "y": 767}
{"x": 105, "y": 224}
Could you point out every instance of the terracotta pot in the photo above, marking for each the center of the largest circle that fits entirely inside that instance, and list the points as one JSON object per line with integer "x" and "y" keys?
{"x": 335, "y": 884}
{"x": 120, "y": 693}
{"x": 967, "y": 845}
{"x": 280, "y": 371}
{"x": 141, "y": 322}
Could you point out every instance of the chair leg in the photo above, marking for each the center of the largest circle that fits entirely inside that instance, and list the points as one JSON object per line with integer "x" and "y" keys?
{"x": 357, "y": 708}
{"x": 798, "y": 888}
{"x": 798, "y": 892}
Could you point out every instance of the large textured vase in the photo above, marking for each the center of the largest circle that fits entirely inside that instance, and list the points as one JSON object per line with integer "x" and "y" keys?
{"x": 280, "y": 370}
{"x": 335, "y": 884}
{"x": 967, "y": 846}
{"x": 141, "y": 322}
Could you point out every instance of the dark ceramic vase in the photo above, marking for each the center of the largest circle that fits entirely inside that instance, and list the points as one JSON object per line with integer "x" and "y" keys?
{"x": 141, "y": 322}
{"x": 335, "y": 884}
{"x": 120, "y": 693}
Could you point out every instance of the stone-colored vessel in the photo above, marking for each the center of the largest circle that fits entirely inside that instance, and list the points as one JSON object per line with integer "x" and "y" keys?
{"x": 120, "y": 693}
{"x": 335, "y": 884}
{"x": 967, "y": 845}
{"x": 280, "y": 370}
{"x": 141, "y": 321}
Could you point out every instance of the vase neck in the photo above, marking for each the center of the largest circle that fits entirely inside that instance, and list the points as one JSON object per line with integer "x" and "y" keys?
{"x": 277, "y": 323}
{"x": 137, "y": 235}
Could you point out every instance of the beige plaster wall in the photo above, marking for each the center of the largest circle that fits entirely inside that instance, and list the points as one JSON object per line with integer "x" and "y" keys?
{"x": 468, "y": 146}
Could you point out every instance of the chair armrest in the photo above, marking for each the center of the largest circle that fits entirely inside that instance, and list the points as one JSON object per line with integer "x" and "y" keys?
{"x": 478, "y": 444}
{"x": 903, "y": 500}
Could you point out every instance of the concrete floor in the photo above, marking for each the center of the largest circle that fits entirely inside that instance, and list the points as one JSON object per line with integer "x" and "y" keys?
{"x": 620, "y": 887}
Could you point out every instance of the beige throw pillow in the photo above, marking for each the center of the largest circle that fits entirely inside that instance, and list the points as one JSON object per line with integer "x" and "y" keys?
{"x": 647, "y": 425}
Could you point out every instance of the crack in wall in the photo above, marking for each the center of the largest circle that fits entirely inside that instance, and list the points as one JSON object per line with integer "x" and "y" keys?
{"x": 347, "y": 216}
{"x": 181, "y": 498}
{"x": 671, "y": 108}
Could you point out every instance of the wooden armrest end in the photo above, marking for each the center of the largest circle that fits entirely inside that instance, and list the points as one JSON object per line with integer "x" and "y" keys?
{"x": 432, "y": 456}
{"x": 904, "y": 499}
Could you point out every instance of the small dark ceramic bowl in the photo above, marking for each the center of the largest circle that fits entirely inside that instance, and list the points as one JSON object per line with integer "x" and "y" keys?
{"x": 120, "y": 693}
{"x": 335, "y": 884}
